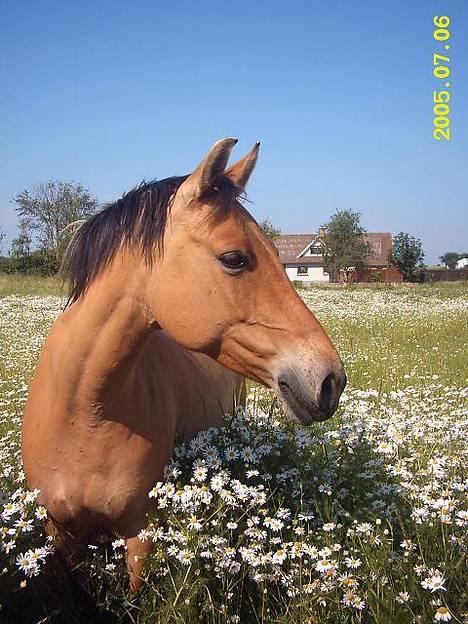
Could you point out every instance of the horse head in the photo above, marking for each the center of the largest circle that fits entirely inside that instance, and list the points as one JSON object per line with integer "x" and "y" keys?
{"x": 221, "y": 289}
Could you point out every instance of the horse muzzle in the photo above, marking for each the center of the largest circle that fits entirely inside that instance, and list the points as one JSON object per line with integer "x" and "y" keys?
{"x": 308, "y": 401}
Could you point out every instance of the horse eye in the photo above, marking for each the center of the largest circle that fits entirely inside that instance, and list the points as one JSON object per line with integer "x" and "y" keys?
{"x": 234, "y": 261}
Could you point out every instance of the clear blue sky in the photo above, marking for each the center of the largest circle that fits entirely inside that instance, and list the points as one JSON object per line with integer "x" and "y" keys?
{"x": 339, "y": 93}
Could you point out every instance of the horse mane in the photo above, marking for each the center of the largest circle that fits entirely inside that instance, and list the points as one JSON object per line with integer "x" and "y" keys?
{"x": 137, "y": 219}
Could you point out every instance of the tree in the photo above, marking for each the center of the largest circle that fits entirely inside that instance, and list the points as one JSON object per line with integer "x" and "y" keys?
{"x": 344, "y": 242}
{"x": 450, "y": 259}
{"x": 21, "y": 245}
{"x": 48, "y": 208}
{"x": 270, "y": 230}
{"x": 407, "y": 254}
{"x": 2, "y": 236}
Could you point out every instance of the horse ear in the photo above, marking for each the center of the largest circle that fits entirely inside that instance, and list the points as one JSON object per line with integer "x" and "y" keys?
{"x": 203, "y": 178}
{"x": 239, "y": 172}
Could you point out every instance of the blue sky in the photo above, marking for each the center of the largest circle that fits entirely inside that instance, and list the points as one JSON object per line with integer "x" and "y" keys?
{"x": 339, "y": 93}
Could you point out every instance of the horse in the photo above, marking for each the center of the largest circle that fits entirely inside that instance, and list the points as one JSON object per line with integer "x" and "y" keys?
{"x": 176, "y": 296}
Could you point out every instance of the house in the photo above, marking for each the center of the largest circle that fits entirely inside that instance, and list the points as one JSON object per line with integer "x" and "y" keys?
{"x": 462, "y": 263}
{"x": 301, "y": 255}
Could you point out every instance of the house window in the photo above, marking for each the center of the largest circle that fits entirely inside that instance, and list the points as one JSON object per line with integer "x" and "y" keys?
{"x": 315, "y": 250}
{"x": 302, "y": 270}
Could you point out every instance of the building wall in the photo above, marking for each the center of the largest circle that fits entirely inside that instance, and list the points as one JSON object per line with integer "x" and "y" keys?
{"x": 388, "y": 275}
{"x": 314, "y": 274}
{"x": 445, "y": 275}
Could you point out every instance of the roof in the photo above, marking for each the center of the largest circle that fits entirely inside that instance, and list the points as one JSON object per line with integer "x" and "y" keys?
{"x": 382, "y": 245}
{"x": 290, "y": 246}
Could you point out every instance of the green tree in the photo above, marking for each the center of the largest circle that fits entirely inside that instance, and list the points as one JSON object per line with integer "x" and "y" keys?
{"x": 450, "y": 259}
{"x": 21, "y": 245}
{"x": 270, "y": 230}
{"x": 344, "y": 242}
{"x": 407, "y": 254}
{"x": 48, "y": 208}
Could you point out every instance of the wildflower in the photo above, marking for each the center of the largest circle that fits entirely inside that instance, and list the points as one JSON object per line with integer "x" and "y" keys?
{"x": 442, "y": 615}
{"x": 9, "y": 546}
{"x": 324, "y": 564}
{"x": 248, "y": 455}
{"x": 386, "y": 448}
{"x": 273, "y": 523}
{"x": 27, "y": 564}
{"x": 24, "y": 525}
{"x": 359, "y": 604}
{"x": 403, "y": 597}
{"x": 279, "y": 556}
{"x": 348, "y": 598}
{"x": 144, "y": 535}
{"x": 329, "y": 526}
{"x": 347, "y": 581}
{"x": 194, "y": 523}
{"x": 200, "y": 473}
{"x": 420, "y": 515}
{"x": 41, "y": 513}
{"x": 252, "y": 473}
{"x": 231, "y": 453}
{"x": 9, "y": 509}
{"x": 185, "y": 557}
{"x": 434, "y": 582}
{"x": 353, "y": 563}
{"x": 217, "y": 482}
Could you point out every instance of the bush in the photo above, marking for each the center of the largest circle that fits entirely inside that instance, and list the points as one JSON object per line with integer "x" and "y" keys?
{"x": 39, "y": 262}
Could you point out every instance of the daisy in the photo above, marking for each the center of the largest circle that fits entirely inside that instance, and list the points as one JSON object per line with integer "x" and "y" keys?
{"x": 185, "y": 557}
{"x": 27, "y": 564}
{"x": 41, "y": 513}
{"x": 200, "y": 473}
{"x": 279, "y": 556}
{"x": 403, "y": 597}
{"x": 442, "y": 615}
{"x": 194, "y": 523}
{"x": 435, "y": 582}
{"x": 323, "y": 565}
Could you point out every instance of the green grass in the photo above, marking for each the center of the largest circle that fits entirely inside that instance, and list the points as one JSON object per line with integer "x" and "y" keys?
{"x": 397, "y": 445}
{"x": 18, "y": 284}
{"x": 390, "y": 353}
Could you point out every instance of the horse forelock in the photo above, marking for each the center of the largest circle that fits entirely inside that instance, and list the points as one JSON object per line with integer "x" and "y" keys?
{"x": 138, "y": 219}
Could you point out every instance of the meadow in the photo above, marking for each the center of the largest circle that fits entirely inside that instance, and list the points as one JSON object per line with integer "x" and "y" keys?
{"x": 361, "y": 519}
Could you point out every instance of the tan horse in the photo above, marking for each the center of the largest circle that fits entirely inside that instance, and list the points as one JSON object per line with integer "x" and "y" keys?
{"x": 167, "y": 284}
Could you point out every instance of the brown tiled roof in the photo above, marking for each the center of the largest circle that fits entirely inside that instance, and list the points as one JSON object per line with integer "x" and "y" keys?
{"x": 382, "y": 244}
{"x": 291, "y": 245}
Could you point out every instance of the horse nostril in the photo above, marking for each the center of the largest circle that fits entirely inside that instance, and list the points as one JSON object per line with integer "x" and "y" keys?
{"x": 283, "y": 386}
{"x": 328, "y": 392}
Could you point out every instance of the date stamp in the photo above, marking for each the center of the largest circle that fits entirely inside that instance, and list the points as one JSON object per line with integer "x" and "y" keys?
{"x": 441, "y": 71}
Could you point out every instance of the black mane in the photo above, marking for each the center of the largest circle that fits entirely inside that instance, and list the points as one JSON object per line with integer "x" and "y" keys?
{"x": 139, "y": 218}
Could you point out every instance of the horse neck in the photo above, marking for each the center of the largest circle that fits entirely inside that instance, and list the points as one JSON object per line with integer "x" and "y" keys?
{"x": 104, "y": 333}
{"x": 101, "y": 339}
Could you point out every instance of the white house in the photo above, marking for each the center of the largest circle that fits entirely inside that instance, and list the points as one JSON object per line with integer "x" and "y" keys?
{"x": 462, "y": 263}
{"x": 301, "y": 255}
